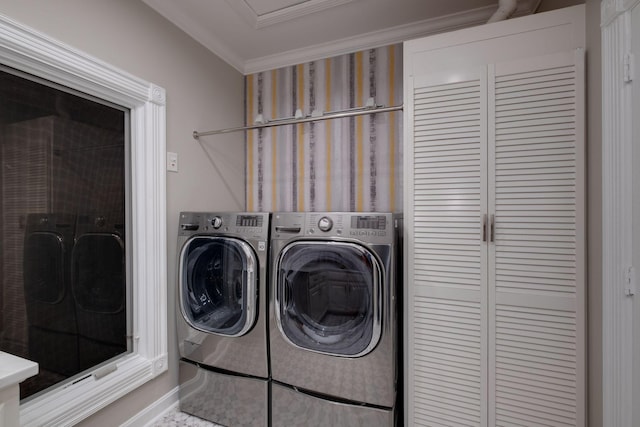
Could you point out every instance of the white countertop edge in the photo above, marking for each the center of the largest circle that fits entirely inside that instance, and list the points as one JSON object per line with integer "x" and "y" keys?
{"x": 14, "y": 369}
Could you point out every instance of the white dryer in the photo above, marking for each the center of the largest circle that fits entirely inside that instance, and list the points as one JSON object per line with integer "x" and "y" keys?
{"x": 333, "y": 319}
{"x": 221, "y": 316}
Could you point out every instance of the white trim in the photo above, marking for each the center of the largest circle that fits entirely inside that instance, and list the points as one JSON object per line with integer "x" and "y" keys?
{"x": 244, "y": 10}
{"x": 282, "y": 15}
{"x": 173, "y": 12}
{"x": 384, "y": 37}
{"x": 25, "y": 49}
{"x": 611, "y": 9}
{"x": 297, "y": 11}
{"x": 156, "y": 411}
{"x": 370, "y": 40}
{"x": 617, "y": 220}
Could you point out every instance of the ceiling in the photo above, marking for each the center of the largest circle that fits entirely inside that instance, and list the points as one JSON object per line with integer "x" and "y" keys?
{"x": 258, "y": 35}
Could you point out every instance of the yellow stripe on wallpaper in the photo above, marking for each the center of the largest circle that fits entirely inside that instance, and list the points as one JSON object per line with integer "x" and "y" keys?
{"x": 250, "y": 134}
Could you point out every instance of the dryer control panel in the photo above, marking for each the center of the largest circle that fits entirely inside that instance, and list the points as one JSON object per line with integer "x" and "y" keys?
{"x": 371, "y": 227}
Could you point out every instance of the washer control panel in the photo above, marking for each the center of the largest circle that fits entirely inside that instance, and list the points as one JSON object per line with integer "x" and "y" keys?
{"x": 248, "y": 225}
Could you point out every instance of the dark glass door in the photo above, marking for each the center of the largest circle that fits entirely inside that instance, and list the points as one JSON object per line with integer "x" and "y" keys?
{"x": 218, "y": 289}
{"x": 44, "y": 258}
{"x": 99, "y": 274}
{"x": 99, "y": 289}
{"x": 328, "y": 297}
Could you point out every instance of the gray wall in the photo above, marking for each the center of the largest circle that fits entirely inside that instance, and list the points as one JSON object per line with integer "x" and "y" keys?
{"x": 203, "y": 93}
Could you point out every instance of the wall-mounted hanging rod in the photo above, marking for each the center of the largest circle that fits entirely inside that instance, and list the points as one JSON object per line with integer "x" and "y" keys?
{"x": 339, "y": 114}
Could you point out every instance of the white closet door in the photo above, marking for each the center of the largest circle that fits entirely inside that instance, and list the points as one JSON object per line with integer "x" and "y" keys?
{"x": 448, "y": 292}
{"x": 536, "y": 266}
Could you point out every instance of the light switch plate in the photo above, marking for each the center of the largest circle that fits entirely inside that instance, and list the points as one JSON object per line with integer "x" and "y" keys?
{"x": 172, "y": 162}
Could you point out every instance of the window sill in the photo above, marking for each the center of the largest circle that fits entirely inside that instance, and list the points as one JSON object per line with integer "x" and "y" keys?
{"x": 74, "y": 402}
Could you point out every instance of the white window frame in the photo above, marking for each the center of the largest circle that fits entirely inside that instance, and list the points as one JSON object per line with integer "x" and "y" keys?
{"x": 30, "y": 51}
{"x": 618, "y": 126}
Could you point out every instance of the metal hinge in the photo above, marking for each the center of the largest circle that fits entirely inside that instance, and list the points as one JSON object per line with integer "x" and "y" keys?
{"x": 630, "y": 282}
{"x": 628, "y": 69}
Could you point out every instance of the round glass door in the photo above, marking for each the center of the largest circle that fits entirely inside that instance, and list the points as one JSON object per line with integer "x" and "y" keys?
{"x": 328, "y": 297}
{"x": 218, "y": 291}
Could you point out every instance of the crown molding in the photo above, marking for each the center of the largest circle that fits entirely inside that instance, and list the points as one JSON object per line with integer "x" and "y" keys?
{"x": 611, "y": 9}
{"x": 369, "y": 40}
{"x": 384, "y": 37}
{"x": 172, "y": 11}
{"x": 174, "y": 14}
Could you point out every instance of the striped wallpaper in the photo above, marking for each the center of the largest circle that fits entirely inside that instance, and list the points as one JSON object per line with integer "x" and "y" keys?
{"x": 348, "y": 164}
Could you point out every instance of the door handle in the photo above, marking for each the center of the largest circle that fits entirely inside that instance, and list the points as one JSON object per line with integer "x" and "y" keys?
{"x": 189, "y": 227}
{"x": 484, "y": 227}
{"x": 280, "y": 229}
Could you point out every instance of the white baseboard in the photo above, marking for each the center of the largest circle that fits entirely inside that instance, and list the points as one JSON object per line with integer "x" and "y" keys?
{"x": 154, "y": 412}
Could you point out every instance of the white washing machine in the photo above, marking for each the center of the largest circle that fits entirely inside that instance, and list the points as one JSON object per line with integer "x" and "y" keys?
{"x": 221, "y": 316}
{"x": 333, "y": 319}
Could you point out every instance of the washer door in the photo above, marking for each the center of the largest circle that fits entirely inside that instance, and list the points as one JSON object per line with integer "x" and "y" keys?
{"x": 218, "y": 289}
{"x": 328, "y": 297}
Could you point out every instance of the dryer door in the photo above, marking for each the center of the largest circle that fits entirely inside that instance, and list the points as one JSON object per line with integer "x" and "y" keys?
{"x": 218, "y": 285}
{"x": 328, "y": 297}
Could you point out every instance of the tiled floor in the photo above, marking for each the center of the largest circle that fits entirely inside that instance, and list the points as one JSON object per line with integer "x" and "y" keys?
{"x": 180, "y": 419}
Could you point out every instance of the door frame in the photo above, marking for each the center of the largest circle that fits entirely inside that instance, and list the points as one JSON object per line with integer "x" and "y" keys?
{"x": 620, "y": 100}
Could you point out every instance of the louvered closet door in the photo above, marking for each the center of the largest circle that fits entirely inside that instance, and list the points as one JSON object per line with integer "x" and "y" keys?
{"x": 537, "y": 283}
{"x": 448, "y": 293}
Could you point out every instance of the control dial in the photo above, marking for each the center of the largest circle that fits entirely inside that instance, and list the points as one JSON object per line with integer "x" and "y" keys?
{"x": 325, "y": 224}
{"x": 216, "y": 222}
